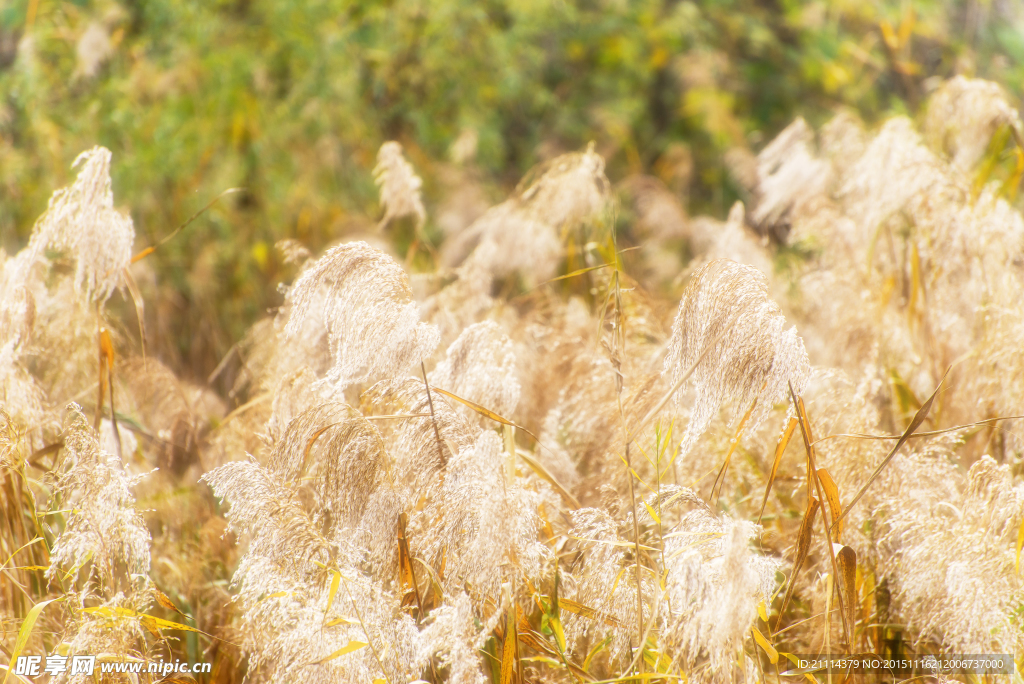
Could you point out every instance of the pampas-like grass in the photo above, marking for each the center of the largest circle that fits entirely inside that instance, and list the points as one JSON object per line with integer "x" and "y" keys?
{"x": 526, "y": 502}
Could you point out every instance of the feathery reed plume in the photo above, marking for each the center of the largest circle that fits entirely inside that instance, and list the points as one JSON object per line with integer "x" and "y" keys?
{"x": 484, "y": 528}
{"x": 951, "y": 562}
{"x": 789, "y": 174}
{"x": 413, "y": 442}
{"x": 81, "y": 220}
{"x": 714, "y": 585}
{"x": 363, "y": 300}
{"x": 480, "y": 366}
{"x": 399, "y": 186}
{"x": 524, "y": 234}
{"x": 964, "y": 114}
{"x": 601, "y": 579}
{"x": 753, "y": 357}
{"x": 104, "y": 535}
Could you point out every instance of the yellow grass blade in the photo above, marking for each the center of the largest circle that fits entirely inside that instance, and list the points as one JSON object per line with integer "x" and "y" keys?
{"x": 350, "y": 647}
{"x": 335, "y": 583}
{"x": 27, "y": 625}
{"x": 508, "y": 647}
{"x": 1020, "y": 544}
{"x": 487, "y": 413}
{"x": 773, "y": 655}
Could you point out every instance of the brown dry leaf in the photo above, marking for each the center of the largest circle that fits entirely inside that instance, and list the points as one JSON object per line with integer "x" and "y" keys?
{"x": 165, "y": 601}
{"x": 508, "y": 648}
{"x": 779, "y": 450}
{"x": 832, "y": 496}
{"x": 585, "y": 611}
{"x": 803, "y": 546}
{"x": 846, "y": 559}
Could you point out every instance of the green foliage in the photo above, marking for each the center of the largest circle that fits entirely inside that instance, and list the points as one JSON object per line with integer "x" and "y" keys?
{"x": 291, "y": 100}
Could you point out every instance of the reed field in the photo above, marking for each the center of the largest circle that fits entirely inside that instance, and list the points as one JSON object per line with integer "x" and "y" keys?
{"x": 579, "y": 433}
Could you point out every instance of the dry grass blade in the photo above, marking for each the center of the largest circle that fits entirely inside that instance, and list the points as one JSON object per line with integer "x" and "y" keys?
{"x": 720, "y": 478}
{"x": 847, "y": 562}
{"x": 407, "y": 573}
{"x": 1020, "y": 545}
{"x": 25, "y": 631}
{"x": 487, "y": 413}
{"x": 919, "y": 418}
{"x": 812, "y": 476}
{"x": 926, "y": 433}
{"x": 165, "y": 601}
{"x": 350, "y": 647}
{"x": 508, "y": 647}
{"x": 587, "y": 612}
{"x": 152, "y": 248}
{"x": 779, "y": 450}
{"x": 832, "y": 496}
{"x": 538, "y": 468}
{"x": 773, "y": 655}
{"x": 140, "y": 307}
{"x": 803, "y": 545}
{"x": 433, "y": 418}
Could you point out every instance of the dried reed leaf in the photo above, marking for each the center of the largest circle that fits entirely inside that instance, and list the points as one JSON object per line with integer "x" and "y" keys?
{"x": 1020, "y": 545}
{"x": 25, "y": 631}
{"x": 832, "y": 496}
{"x": 177, "y": 678}
{"x": 780, "y": 448}
{"x": 538, "y": 468}
{"x": 802, "y": 548}
{"x": 350, "y": 647}
{"x": 846, "y": 559}
{"x": 733, "y": 443}
{"x": 165, "y": 601}
{"x": 487, "y": 413}
{"x": 773, "y": 655}
{"x": 508, "y": 647}
{"x": 585, "y": 611}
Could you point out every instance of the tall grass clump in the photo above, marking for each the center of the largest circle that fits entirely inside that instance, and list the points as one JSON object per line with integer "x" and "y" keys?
{"x": 579, "y": 439}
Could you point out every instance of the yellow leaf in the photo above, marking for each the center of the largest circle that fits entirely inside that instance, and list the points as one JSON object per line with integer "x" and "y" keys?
{"x": 342, "y": 621}
{"x": 508, "y": 647}
{"x": 487, "y": 413}
{"x": 1020, "y": 543}
{"x": 832, "y": 496}
{"x": 793, "y": 659}
{"x": 652, "y": 512}
{"x": 27, "y": 625}
{"x": 159, "y": 623}
{"x": 762, "y": 611}
{"x": 350, "y": 647}
{"x": 335, "y": 581}
{"x": 773, "y": 655}
{"x": 556, "y": 629}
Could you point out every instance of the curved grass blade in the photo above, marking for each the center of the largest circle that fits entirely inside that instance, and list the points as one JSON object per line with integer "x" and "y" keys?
{"x": 802, "y": 547}
{"x": 780, "y": 448}
{"x": 919, "y": 418}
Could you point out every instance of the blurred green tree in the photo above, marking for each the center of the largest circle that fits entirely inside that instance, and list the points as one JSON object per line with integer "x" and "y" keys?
{"x": 291, "y": 101}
